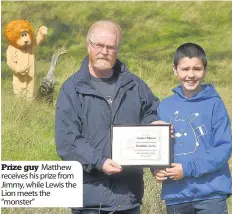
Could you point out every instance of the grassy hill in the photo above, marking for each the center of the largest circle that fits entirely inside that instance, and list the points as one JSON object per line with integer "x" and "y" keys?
{"x": 151, "y": 33}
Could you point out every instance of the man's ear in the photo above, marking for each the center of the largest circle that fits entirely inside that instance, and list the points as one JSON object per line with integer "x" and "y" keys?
{"x": 174, "y": 70}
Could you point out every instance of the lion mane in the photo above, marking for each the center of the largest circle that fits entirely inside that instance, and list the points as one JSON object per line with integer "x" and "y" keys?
{"x": 14, "y": 29}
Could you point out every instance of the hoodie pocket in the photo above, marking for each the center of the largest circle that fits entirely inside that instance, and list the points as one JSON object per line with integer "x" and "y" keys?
{"x": 200, "y": 189}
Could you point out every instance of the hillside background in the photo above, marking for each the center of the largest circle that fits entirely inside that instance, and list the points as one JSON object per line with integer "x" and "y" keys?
{"x": 151, "y": 33}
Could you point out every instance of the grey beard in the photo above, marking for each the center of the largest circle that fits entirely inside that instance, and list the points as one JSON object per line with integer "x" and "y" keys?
{"x": 103, "y": 66}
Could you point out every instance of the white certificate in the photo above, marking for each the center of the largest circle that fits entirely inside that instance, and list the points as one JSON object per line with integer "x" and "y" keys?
{"x": 141, "y": 145}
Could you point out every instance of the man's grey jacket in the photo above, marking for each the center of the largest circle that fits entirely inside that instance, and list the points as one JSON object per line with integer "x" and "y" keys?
{"x": 83, "y": 134}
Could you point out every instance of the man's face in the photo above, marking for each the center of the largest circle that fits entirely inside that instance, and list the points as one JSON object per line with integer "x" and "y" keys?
{"x": 102, "y": 49}
{"x": 190, "y": 73}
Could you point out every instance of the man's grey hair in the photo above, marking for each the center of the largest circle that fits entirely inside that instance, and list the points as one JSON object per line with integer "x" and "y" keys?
{"x": 105, "y": 24}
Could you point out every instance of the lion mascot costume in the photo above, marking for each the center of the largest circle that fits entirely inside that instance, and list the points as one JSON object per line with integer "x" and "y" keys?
{"x": 21, "y": 55}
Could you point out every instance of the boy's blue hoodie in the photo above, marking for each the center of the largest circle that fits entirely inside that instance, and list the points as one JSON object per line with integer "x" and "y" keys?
{"x": 202, "y": 144}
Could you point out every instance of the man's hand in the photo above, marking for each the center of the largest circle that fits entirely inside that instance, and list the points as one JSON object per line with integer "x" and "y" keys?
{"x": 157, "y": 122}
{"x": 110, "y": 167}
{"x": 160, "y": 175}
{"x": 175, "y": 172}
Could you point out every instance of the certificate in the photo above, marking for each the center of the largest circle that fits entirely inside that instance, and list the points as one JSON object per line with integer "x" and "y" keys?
{"x": 141, "y": 145}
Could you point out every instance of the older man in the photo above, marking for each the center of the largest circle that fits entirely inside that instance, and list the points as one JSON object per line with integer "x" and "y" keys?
{"x": 103, "y": 92}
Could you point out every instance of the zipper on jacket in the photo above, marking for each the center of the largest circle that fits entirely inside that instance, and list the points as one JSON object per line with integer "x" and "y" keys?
{"x": 112, "y": 108}
{"x": 112, "y": 117}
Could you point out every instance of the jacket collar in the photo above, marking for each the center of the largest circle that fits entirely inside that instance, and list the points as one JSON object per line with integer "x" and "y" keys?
{"x": 83, "y": 76}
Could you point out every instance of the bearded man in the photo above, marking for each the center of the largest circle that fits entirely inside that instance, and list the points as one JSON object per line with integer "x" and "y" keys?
{"x": 102, "y": 93}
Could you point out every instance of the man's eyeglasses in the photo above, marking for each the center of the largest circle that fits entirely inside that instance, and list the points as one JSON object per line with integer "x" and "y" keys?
{"x": 101, "y": 46}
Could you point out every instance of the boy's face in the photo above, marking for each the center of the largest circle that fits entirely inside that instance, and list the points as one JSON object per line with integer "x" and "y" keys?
{"x": 190, "y": 73}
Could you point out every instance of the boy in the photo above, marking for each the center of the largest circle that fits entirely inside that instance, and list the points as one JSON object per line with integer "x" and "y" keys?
{"x": 199, "y": 180}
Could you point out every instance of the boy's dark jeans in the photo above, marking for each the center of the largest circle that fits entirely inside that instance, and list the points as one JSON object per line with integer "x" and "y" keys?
{"x": 211, "y": 206}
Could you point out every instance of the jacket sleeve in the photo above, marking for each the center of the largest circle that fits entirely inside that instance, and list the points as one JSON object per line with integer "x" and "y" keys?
{"x": 220, "y": 151}
{"x": 149, "y": 106}
{"x": 70, "y": 143}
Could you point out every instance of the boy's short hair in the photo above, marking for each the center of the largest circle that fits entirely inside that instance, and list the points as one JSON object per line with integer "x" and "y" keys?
{"x": 190, "y": 50}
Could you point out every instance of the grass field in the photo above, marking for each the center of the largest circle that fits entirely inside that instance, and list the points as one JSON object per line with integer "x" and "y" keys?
{"x": 151, "y": 33}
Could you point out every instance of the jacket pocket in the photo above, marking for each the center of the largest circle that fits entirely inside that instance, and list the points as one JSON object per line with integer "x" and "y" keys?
{"x": 97, "y": 194}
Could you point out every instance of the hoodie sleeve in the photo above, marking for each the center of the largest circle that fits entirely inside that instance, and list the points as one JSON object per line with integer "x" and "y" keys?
{"x": 149, "y": 106}
{"x": 70, "y": 144}
{"x": 221, "y": 147}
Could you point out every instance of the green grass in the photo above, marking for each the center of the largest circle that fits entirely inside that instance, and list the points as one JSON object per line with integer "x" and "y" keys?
{"x": 151, "y": 33}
